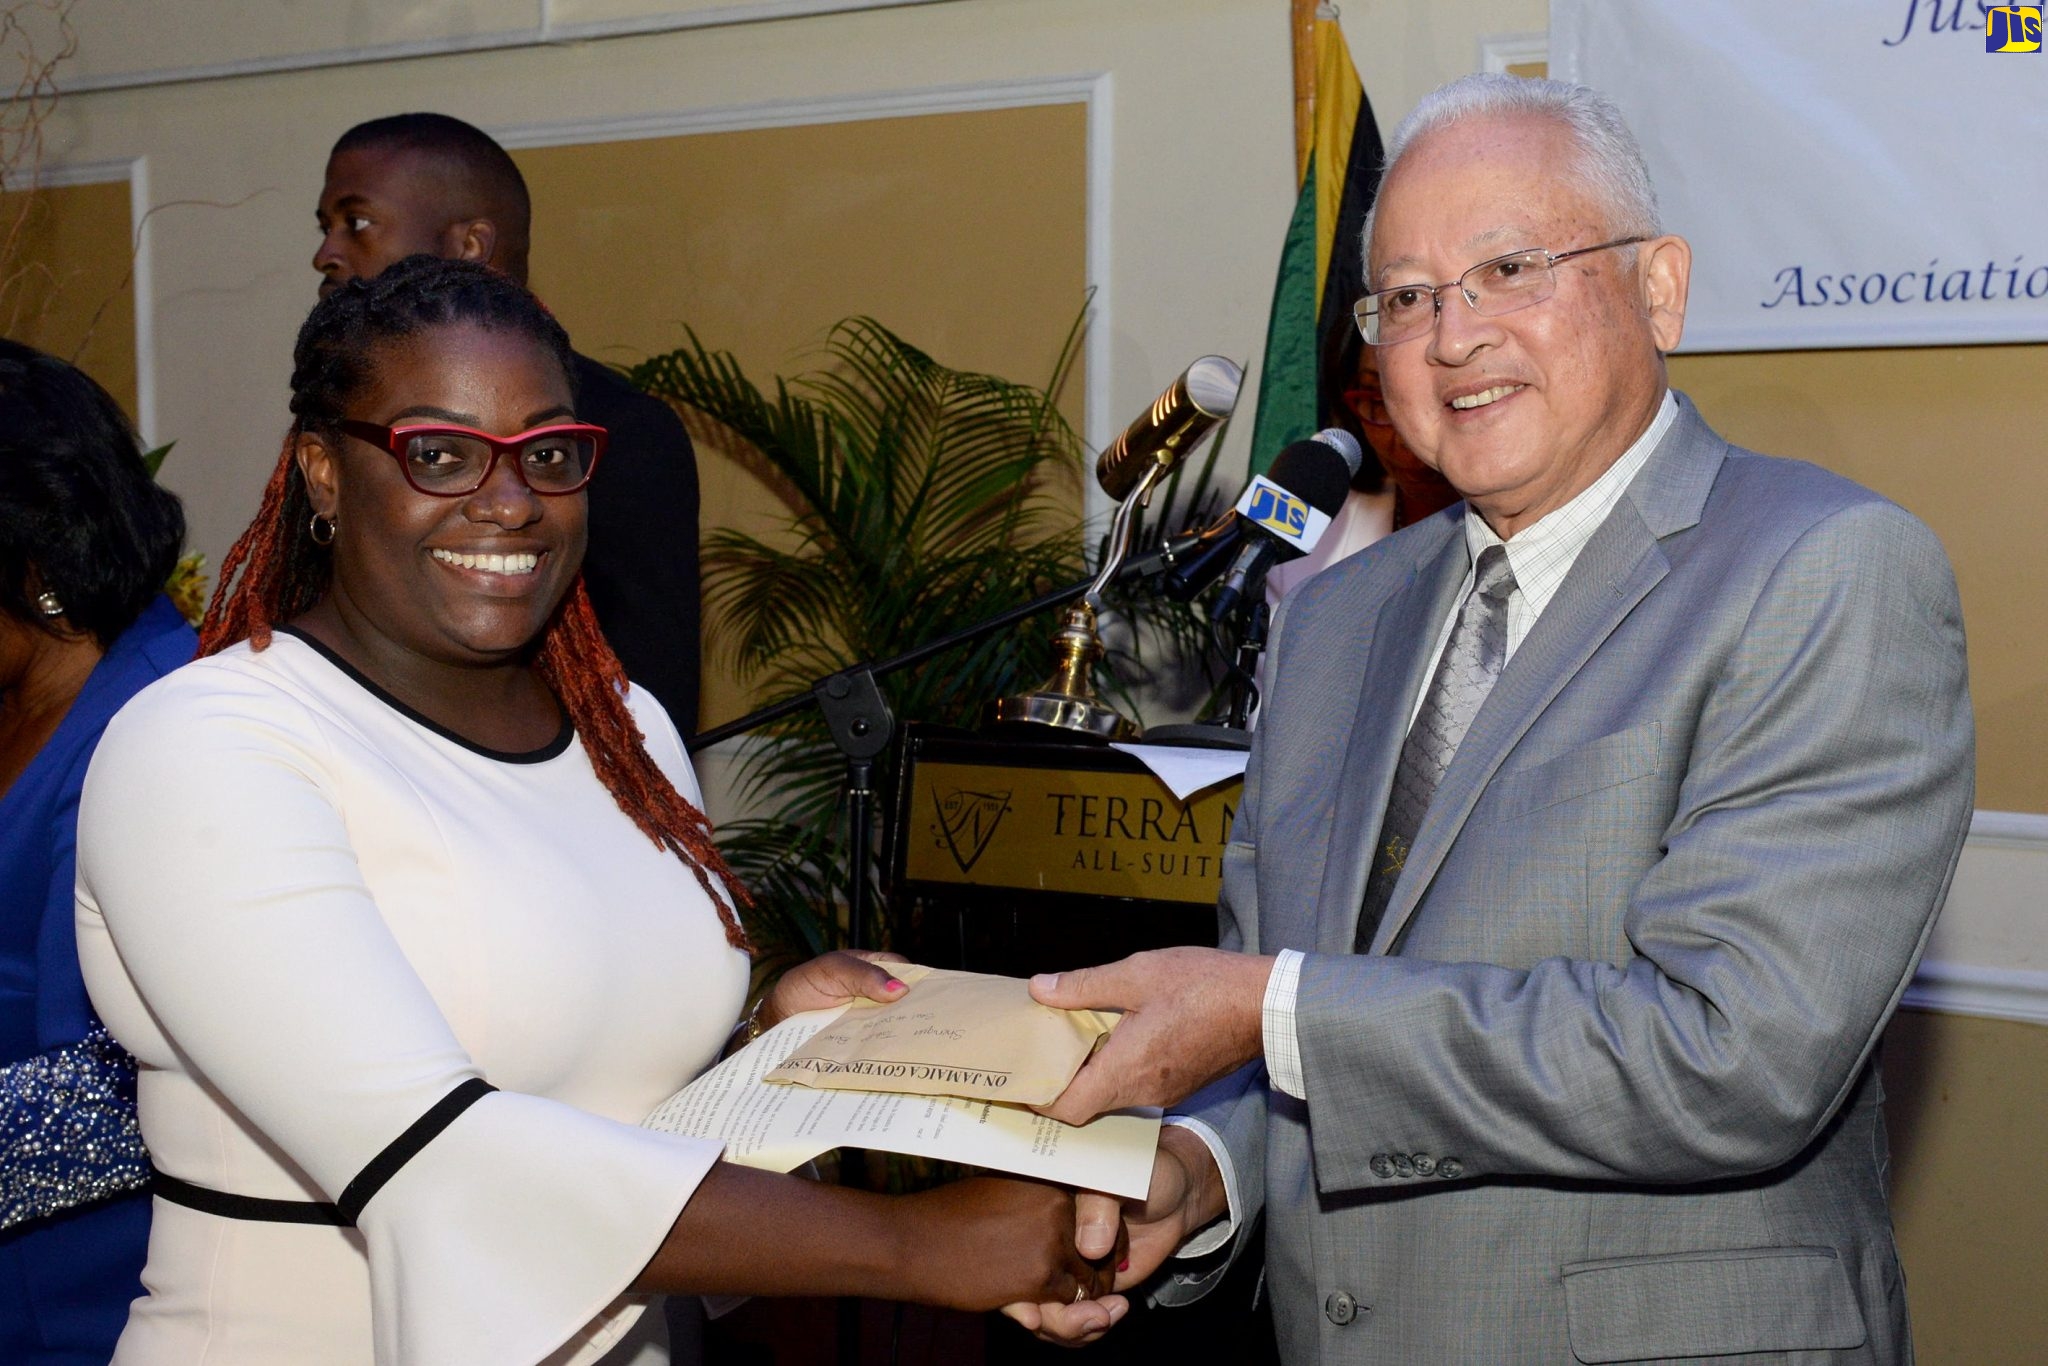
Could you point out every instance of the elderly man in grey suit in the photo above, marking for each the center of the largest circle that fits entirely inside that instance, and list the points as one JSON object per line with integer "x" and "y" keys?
{"x": 1592, "y": 831}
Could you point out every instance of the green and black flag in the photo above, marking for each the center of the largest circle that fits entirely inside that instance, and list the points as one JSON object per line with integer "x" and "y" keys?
{"x": 1321, "y": 271}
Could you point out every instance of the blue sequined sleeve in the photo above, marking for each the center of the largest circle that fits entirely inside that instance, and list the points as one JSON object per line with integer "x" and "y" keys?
{"x": 68, "y": 1135}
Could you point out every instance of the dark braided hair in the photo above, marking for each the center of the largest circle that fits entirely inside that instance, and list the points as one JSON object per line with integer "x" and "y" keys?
{"x": 276, "y": 571}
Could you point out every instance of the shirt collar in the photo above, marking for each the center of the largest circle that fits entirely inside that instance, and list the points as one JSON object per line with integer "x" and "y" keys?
{"x": 1542, "y": 553}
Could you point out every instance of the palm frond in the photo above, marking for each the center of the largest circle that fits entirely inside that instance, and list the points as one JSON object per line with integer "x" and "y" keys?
{"x": 929, "y": 499}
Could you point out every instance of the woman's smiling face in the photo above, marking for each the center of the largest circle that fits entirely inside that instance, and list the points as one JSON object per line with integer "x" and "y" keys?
{"x": 469, "y": 580}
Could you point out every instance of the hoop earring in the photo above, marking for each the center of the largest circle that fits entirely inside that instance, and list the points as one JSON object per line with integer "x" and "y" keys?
{"x": 49, "y": 604}
{"x": 313, "y": 529}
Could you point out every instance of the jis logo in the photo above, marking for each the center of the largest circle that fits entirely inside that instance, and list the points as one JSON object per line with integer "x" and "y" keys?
{"x": 1276, "y": 508}
{"x": 2012, "y": 28}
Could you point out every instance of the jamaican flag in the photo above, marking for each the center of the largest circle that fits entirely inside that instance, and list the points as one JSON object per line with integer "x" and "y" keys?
{"x": 1321, "y": 273}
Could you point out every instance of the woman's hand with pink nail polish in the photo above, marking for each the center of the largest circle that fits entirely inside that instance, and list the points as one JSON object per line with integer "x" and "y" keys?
{"x": 833, "y": 979}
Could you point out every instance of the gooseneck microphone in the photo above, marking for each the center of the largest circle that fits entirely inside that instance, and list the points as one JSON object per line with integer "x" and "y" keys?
{"x": 1174, "y": 425}
{"x": 1185, "y": 564}
{"x": 1195, "y": 559}
{"x": 1284, "y": 512}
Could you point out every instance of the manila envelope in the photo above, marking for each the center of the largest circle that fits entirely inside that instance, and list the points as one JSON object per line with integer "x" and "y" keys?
{"x": 952, "y": 1034}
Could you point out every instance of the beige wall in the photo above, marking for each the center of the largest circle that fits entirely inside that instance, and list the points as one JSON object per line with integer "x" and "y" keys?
{"x": 1966, "y": 1101}
{"x": 1189, "y": 168}
{"x": 964, "y": 233}
{"x": 1190, "y": 152}
{"x": 66, "y": 283}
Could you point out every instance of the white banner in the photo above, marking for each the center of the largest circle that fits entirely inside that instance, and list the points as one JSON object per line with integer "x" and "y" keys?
{"x": 1849, "y": 172}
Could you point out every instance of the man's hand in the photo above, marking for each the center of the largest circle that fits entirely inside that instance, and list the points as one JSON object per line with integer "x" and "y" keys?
{"x": 1190, "y": 1016}
{"x": 1186, "y": 1193}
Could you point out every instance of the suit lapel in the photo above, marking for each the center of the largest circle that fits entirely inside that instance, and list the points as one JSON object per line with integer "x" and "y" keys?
{"x": 1616, "y": 570}
{"x": 1395, "y": 672}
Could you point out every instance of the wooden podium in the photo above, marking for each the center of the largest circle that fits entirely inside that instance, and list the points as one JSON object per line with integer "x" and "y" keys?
{"x": 1017, "y": 856}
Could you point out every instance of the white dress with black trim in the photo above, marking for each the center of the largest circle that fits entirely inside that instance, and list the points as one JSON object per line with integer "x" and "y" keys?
{"x": 316, "y": 919}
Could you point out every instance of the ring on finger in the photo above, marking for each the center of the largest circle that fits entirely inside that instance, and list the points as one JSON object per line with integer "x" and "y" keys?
{"x": 1080, "y": 1293}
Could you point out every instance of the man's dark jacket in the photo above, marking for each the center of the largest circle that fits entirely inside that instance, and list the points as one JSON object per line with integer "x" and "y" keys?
{"x": 641, "y": 568}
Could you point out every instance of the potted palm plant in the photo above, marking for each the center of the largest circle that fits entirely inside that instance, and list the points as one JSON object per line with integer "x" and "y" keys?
{"x": 926, "y": 499}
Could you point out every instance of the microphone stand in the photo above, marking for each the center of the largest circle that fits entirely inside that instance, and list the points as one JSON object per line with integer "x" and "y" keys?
{"x": 1231, "y": 729}
{"x": 862, "y": 728}
{"x": 1251, "y": 646}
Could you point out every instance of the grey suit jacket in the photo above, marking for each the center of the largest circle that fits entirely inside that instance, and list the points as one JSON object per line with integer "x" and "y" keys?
{"x": 1605, "y": 1087}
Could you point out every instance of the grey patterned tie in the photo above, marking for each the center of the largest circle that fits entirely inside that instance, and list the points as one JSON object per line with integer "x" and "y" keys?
{"x": 1465, "y": 674}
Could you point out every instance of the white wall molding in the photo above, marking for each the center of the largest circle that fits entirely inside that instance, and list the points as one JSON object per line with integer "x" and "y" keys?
{"x": 1989, "y": 952}
{"x": 1499, "y": 51}
{"x": 1085, "y": 88}
{"x": 59, "y": 173}
{"x": 142, "y": 284}
{"x": 1992, "y": 993}
{"x": 544, "y": 33}
{"x": 2021, "y": 830}
{"x": 1943, "y": 985}
{"x": 1096, "y": 415}
{"x": 717, "y": 16}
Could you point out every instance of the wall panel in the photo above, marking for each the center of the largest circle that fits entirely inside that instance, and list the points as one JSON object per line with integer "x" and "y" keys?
{"x": 67, "y": 278}
{"x": 965, "y": 233}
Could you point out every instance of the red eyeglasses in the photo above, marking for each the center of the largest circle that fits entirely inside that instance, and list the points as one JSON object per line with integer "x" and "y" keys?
{"x": 446, "y": 461}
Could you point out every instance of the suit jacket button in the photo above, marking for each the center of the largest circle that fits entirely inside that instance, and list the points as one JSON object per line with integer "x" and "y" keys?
{"x": 1425, "y": 1165}
{"x": 1340, "y": 1308}
{"x": 1380, "y": 1166}
{"x": 1403, "y": 1164}
{"x": 1449, "y": 1168}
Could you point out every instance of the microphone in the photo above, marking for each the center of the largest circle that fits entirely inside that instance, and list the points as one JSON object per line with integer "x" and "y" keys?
{"x": 1181, "y": 563}
{"x": 1284, "y": 513}
{"x": 1199, "y": 558}
{"x": 1189, "y": 562}
{"x": 1174, "y": 425}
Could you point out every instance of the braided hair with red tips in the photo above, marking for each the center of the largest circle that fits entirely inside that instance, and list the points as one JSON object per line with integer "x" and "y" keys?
{"x": 276, "y": 571}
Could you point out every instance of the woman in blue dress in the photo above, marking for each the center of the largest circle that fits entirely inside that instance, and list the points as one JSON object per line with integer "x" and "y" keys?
{"x": 87, "y": 539}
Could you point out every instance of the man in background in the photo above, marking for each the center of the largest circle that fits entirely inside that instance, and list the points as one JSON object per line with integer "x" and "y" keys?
{"x": 414, "y": 183}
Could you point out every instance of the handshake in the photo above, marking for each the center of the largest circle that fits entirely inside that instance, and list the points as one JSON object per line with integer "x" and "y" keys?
{"x": 1057, "y": 1258}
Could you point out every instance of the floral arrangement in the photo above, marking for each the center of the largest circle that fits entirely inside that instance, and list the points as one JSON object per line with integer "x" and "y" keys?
{"x": 186, "y": 587}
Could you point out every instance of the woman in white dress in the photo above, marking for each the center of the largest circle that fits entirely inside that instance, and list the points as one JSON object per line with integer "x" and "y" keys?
{"x": 402, "y": 900}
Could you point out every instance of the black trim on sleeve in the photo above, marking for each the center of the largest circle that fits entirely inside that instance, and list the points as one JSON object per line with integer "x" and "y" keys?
{"x": 345, "y": 1211}
{"x": 407, "y": 1145}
